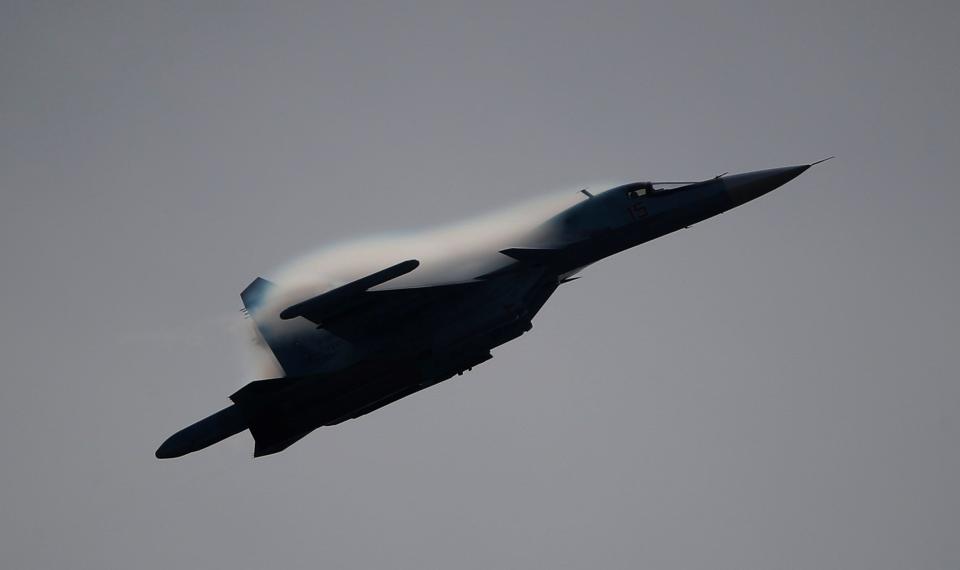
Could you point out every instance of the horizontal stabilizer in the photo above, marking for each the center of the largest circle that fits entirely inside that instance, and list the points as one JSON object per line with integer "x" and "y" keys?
{"x": 256, "y": 390}
{"x": 263, "y": 445}
{"x": 269, "y": 413}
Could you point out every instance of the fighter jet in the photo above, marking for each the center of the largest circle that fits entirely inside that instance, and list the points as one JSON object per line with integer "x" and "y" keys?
{"x": 368, "y": 346}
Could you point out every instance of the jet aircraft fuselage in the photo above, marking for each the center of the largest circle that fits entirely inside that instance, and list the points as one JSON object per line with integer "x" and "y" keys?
{"x": 367, "y": 347}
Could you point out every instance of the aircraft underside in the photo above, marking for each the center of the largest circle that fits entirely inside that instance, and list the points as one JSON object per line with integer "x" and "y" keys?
{"x": 407, "y": 345}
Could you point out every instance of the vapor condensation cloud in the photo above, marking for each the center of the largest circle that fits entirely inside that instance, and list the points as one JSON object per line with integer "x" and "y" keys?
{"x": 447, "y": 254}
{"x": 453, "y": 252}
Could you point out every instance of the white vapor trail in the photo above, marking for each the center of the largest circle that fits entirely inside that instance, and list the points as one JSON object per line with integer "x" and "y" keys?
{"x": 448, "y": 254}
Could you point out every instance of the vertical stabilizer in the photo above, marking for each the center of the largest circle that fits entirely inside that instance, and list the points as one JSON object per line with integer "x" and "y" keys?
{"x": 255, "y": 293}
{"x": 254, "y": 298}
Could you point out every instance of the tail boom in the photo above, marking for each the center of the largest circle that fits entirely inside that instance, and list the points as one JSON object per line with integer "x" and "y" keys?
{"x": 208, "y": 431}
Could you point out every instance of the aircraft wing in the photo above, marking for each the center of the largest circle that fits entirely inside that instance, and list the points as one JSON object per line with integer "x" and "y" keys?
{"x": 372, "y": 312}
{"x": 350, "y": 311}
{"x": 336, "y": 301}
{"x": 355, "y": 298}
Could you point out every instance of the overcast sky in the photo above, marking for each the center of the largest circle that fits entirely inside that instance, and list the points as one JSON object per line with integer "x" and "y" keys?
{"x": 773, "y": 388}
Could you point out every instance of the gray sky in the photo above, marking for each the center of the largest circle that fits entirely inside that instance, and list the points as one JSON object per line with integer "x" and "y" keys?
{"x": 774, "y": 388}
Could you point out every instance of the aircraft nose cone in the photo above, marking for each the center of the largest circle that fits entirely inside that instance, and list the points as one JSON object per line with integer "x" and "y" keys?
{"x": 745, "y": 187}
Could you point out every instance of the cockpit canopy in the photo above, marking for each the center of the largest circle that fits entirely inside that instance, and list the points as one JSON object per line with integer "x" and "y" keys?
{"x": 640, "y": 189}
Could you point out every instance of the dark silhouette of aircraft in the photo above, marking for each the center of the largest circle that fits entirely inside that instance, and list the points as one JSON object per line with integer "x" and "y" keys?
{"x": 371, "y": 347}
